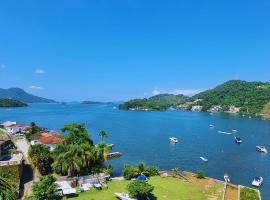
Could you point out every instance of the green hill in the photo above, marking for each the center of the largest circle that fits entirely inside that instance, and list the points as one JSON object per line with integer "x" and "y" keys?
{"x": 11, "y": 103}
{"x": 251, "y": 97}
{"x": 158, "y": 102}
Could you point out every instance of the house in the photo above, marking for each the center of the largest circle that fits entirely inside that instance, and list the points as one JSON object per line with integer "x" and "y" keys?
{"x": 233, "y": 109}
{"x": 16, "y": 128}
{"x": 197, "y": 108}
{"x": 215, "y": 108}
{"x": 8, "y": 123}
{"x": 5, "y": 144}
{"x": 50, "y": 139}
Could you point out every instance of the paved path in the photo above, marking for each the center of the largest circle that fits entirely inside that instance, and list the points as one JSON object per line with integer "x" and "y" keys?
{"x": 23, "y": 146}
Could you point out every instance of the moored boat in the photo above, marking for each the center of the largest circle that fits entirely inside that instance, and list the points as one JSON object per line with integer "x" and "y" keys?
{"x": 257, "y": 182}
{"x": 238, "y": 140}
{"x": 227, "y": 177}
{"x": 261, "y": 149}
{"x": 204, "y": 159}
{"x": 212, "y": 126}
{"x": 173, "y": 140}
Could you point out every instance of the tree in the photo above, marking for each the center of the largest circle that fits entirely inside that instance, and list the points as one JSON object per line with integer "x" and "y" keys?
{"x": 200, "y": 175}
{"x": 40, "y": 157}
{"x": 141, "y": 167}
{"x": 175, "y": 172}
{"x": 104, "y": 149}
{"x": 7, "y": 190}
{"x": 45, "y": 189}
{"x": 33, "y": 129}
{"x": 140, "y": 189}
{"x": 151, "y": 171}
{"x": 130, "y": 172}
{"x": 102, "y": 135}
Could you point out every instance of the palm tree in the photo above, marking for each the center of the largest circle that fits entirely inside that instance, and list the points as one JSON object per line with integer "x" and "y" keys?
{"x": 104, "y": 149}
{"x": 102, "y": 135}
{"x": 141, "y": 167}
{"x": 175, "y": 172}
{"x": 6, "y": 189}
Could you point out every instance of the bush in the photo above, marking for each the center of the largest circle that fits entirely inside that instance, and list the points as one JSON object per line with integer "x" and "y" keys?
{"x": 130, "y": 172}
{"x": 140, "y": 189}
{"x": 200, "y": 174}
{"x": 108, "y": 170}
{"x": 152, "y": 171}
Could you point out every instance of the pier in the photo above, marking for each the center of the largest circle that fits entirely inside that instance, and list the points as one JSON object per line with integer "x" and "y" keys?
{"x": 114, "y": 155}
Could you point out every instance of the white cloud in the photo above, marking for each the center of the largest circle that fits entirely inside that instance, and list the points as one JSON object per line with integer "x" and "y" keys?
{"x": 3, "y": 66}
{"x": 156, "y": 92}
{"x": 39, "y": 71}
{"x": 33, "y": 87}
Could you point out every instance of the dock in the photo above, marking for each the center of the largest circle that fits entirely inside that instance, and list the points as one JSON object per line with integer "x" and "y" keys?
{"x": 114, "y": 155}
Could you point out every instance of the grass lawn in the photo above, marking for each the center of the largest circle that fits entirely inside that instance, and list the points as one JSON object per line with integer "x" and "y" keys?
{"x": 248, "y": 194}
{"x": 165, "y": 188}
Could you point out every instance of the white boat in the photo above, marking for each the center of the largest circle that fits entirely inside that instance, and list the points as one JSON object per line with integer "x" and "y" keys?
{"x": 261, "y": 149}
{"x": 204, "y": 159}
{"x": 212, "y": 126}
{"x": 173, "y": 139}
{"x": 234, "y": 131}
{"x": 123, "y": 196}
{"x": 257, "y": 182}
{"x": 224, "y": 132}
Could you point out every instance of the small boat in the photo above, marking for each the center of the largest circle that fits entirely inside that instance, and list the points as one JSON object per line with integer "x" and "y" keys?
{"x": 227, "y": 133}
{"x": 257, "y": 182}
{"x": 227, "y": 178}
{"x": 204, "y": 159}
{"x": 261, "y": 149}
{"x": 238, "y": 140}
{"x": 212, "y": 126}
{"x": 173, "y": 140}
{"x": 234, "y": 131}
{"x": 123, "y": 196}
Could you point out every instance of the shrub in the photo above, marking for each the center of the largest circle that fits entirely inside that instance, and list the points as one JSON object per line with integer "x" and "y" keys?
{"x": 152, "y": 171}
{"x": 200, "y": 174}
{"x": 140, "y": 189}
{"x": 108, "y": 170}
{"x": 130, "y": 172}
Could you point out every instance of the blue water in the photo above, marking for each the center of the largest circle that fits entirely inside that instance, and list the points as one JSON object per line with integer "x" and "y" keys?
{"x": 143, "y": 136}
{"x": 5, "y": 158}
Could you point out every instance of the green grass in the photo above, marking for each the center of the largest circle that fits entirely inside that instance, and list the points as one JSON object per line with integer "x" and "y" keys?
{"x": 248, "y": 194}
{"x": 164, "y": 188}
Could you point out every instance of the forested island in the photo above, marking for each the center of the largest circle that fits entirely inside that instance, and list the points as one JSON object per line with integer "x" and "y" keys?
{"x": 234, "y": 96}
{"x": 11, "y": 103}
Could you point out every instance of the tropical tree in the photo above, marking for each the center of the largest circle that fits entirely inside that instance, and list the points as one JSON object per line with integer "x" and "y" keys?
{"x": 104, "y": 149}
{"x": 175, "y": 171}
{"x": 77, "y": 154}
{"x": 7, "y": 190}
{"x": 45, "y": 189}
{"x": 33, "y": 129}
{"x": 130, "y": 172}
{"x": 40, "y": 157}
{"x": 103, "y": 135}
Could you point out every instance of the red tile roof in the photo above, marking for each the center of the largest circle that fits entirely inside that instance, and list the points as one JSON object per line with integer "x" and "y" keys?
{"x": 48, "y": 138}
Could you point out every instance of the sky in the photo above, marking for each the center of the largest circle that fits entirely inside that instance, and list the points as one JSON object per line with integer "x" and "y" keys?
{"x": 113, "y": 50}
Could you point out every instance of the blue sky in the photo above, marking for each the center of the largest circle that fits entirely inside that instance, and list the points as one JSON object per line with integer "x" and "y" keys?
{"x": 120, "y": 49}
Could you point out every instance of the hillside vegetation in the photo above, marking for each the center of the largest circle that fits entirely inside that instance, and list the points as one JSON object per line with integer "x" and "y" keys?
{"x": 251, "y": 97}
{"x": 266, "y": 110}
{"x": 158, "y": 102}
{"x": 11, "y": 103}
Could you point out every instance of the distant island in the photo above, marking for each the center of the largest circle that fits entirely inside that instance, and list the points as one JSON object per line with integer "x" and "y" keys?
{"x": 7, "y": 103}
{"x": 20, "y": 95}
{"x": 234, "y": 96}
{"x": 95, "y": 102}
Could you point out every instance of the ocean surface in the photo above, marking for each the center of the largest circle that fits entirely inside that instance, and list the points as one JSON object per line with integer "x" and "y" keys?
{"x": 144, "y": 136}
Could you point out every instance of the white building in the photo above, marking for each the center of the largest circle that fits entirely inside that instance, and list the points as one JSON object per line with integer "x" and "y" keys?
{"x": 197, "y": 108}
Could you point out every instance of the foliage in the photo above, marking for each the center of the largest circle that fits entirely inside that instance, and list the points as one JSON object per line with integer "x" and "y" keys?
{"x": 104, "y": 149}
{"x": 151, "y": 171}
{"x": 158, "y": 102}
{"x": 200, "y": 175}
{"x": 266, "y": 110}
{"x": 250, "y": 96}
{"x": 45, "y": 188}
{"x": 102, "y": 135}
{"x": 130, "y": 172}
{"x": 107, "y": 170}
{"x": 141, "y": 167}
{"x": 40, "y": 157}
{"x": 11, "y": 103}
{"x": 140, "y": 189}
{"x": 32, "y": 130}
{"x": 248, "y": 194}
{"x": 175, "y": 172}
{"x": 77, "y": 154}
{"x": 7, "y": 189}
